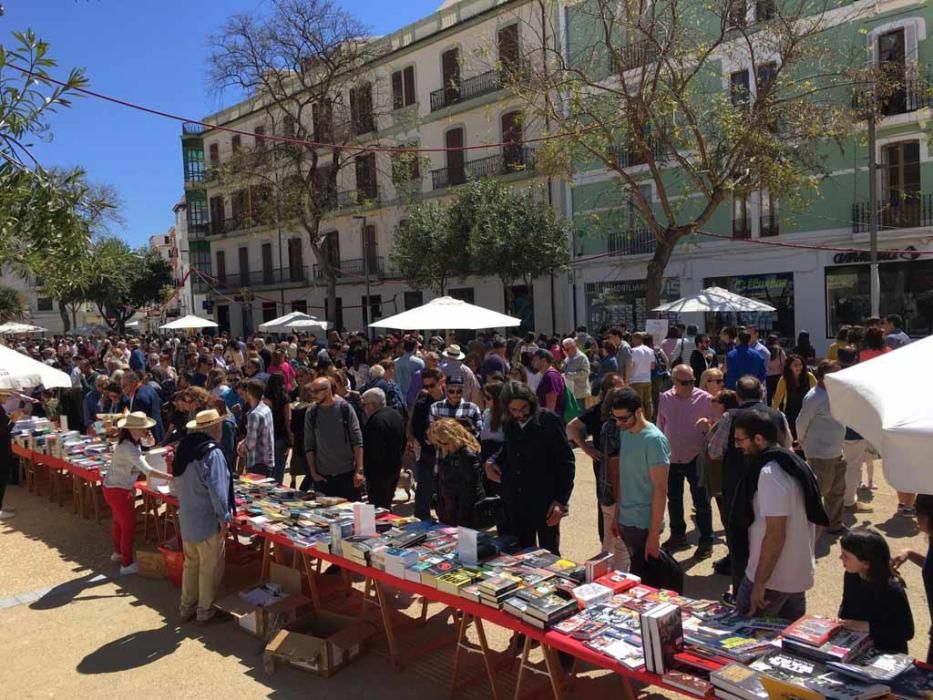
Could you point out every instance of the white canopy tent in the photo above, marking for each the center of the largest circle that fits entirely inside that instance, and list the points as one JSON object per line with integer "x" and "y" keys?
{"x": 887, "y": 401}
{"x": 17, "y": 328}
{"x": 294, "y": 321}
{"x": 449, "y": 314}
{"x": 188, "y": 322}
{"x": 19, "y": 371}
{"x": 714, "y": 299}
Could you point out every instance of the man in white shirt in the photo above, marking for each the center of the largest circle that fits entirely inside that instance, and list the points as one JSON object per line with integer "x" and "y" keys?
{"x": 576, "y": 370}
{"x": 781, "y": 564}
{"x": 642, "y": 364}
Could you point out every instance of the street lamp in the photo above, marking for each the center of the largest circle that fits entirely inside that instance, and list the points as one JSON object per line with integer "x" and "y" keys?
{"x": 367, "y": 307}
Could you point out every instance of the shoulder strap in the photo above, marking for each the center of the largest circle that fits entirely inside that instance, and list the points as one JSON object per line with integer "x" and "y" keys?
{"x": 345, "y": 409}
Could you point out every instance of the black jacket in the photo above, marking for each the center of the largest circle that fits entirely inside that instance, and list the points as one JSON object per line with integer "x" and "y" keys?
{"x": 383, "y": 442}
{"x": 459, "y": 486}
{"x": 537, "y": 465}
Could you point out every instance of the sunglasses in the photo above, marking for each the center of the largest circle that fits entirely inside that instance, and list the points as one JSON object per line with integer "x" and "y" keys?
{"x": 685, "y": 382}
{"x": 429, "y": 386}
{"x": 451, "y": 390}
{"x": 623, "y": 418}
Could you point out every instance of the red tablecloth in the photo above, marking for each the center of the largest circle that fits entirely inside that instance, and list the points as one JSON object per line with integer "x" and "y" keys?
{"x": 92, "y": 475}
{"x": 168, "y": 498}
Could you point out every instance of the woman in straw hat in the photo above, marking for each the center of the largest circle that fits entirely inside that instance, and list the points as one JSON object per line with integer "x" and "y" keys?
{"x": 119, "y": 485}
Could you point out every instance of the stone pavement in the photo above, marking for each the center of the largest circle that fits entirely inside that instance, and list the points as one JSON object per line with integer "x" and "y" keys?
{"x": 78, "y": 629}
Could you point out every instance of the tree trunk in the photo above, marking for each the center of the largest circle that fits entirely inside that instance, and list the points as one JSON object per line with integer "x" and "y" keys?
{"x": 332, "y": 295}
{"x": 74, "y": 315}
{"x": 654, "y": 278}
{"x": 63, "y": 312}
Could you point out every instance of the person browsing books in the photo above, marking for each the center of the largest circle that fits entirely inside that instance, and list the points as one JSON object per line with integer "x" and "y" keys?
{"x": 873, "y": 597}
{"x": 924, "y": 506}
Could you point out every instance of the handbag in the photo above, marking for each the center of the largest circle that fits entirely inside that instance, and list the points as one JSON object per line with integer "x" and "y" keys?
{"x": 488, "y": 512}
{"x": 663, "y": 572}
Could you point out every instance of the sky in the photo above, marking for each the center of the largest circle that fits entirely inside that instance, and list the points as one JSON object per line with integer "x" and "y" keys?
{"x": 151, "y": 52}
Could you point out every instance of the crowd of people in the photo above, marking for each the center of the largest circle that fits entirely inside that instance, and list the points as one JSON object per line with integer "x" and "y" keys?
{"x": 486, "y": 432}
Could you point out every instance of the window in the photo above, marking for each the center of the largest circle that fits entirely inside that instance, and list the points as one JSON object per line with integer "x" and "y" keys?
{"x": 766, "y": 75}
{"x": 736, "y": 13}
{"x": 217, "y": 215}
{"x": 214, "y": 154}
{"x": 634, "y": 213}
{"x": 891, "y": 61}
{"x": 296, "y": 265}
{"x": 260, "y": 203}
{"x": 197, "y": 212}
{"x": 288, "y": 126}
{"x": 513, "y": 153}
{"x": 361, "y": 109}
{"x": 366, "y": 177}
{"x": 194, "y": 163}
{"x": 268, "y": 311}
{"x": 768, "y": 215}
{"x": 222, "y": 266}
{"x": 243, "y": 254}
{"x": 764, "y": 10}
{"x": 44, "y": 304}
{"x": 406, "y": 165}
{"x": 240, "y": 206}
{"x": 900, "y": 185}
{"x": 300, "y": 305}
{"x": 374, "y": 311}
{"x": 223, "y": 317}
{"x": 508, "y": 50}
{"x": 330, "y": 245}
{"x": 259, "y": 134}
{"x": 371, "y": 249}
{"x": 235, "y": 143}
{"x": 450, "y": 75}
{"x": 322, "y": 120}
{"x": 268, "y": 267}
{"x": 413, "y": 300}
{"x": 738, "y": 89}
{"x": 741, "y": 225}
{"x": 403, "y": 87}
{"x": 456, "y": 173}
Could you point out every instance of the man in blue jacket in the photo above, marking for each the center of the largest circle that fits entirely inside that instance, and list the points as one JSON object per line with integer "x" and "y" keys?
{"x": 744, "y": 360}
{"x": 142, "y": 397}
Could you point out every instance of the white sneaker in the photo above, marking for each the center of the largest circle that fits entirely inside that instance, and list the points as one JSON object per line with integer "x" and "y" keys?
{"x": 131, "y": 569}
{"x": 7, "y": 514}
{"x": 116, "y": 556}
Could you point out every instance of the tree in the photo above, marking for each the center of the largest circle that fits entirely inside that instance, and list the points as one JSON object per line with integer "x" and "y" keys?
{"x": 124, "y": 280}
{"x": 641, "y": 83}
{"x": 489, "y": 228}
{"x": 12, "y": 306}
{"x": 299, "y": 64}
{"x": 427, "y": 251}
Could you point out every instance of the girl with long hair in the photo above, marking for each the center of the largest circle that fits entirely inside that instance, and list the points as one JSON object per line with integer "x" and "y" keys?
{"x": 460, "y": 473}
{"x": 276, "y": 397}
{"x": 791, "y": 388}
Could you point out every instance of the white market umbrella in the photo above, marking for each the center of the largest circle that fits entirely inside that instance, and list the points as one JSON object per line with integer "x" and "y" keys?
{"x": 887, "y": 401}
{"x": 296, "y": 320}
{"x": 16, "y": 328}
{"x": 19, "y": 371}
{"x": 714, "y": 299}
{"x": 447, "y": 313}
{"x": 92, "y": 329}
{"x": 188, "y": 322}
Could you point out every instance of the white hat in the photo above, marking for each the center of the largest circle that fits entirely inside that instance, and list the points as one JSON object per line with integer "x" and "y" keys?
{"x": 453, "y": 352}
{"x": 204, "y": 419}
{"x": 137, "y": 420}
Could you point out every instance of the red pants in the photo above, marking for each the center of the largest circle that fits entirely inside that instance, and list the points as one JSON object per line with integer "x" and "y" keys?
{"x": 123, "y": 504}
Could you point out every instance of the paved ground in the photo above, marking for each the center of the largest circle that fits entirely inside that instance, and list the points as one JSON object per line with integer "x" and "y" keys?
{"x": 79, "y": 630}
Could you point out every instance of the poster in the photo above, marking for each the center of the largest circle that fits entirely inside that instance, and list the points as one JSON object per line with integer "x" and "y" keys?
{"x": 656, "y": 328}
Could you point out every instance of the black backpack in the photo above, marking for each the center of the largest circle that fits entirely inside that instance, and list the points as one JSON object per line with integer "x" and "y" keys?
{"x": 345, "y": 409}
{"x": 663, "y": 572}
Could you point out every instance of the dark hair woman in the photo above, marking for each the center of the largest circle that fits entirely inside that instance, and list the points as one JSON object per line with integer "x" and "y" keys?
{"x": 791, "y": 388}
{"x": 276, "y": 398}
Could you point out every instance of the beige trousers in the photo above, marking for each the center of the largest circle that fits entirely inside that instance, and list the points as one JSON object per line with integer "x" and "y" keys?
{"x": 204, "y": 569}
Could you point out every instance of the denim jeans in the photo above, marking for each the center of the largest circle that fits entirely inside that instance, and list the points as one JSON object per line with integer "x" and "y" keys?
{"x": 675, "y": 501}
{"x": 789, "y": 606}
{"x": 424, "y": 491}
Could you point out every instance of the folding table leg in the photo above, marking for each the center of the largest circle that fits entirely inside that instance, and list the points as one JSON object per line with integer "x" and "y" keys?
{"x": 387, "y": 622}
{"x": 521, "y": 668}
{"x": 266, "y": 559}
{"x": 312, "y": 581}
{"x": 77, "y": 503}
{"x": 627, "y": 691}
{"x": 95, "y": 495}
{"x": 461, "y": 636}
{"x": 554, "y": 671}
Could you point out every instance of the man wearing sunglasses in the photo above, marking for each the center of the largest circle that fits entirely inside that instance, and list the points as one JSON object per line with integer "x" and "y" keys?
{"x": 644, "y": 465}
{"x": 455, "y": 406}
{"x": 680, "y": 409}
{"x": 702, "y": 357}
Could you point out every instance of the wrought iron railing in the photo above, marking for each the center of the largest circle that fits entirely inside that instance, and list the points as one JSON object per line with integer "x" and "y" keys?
{"x": 913, "y": 211}
{"x": 635, "y": 241}
{"x": 272, "y": 277}
{"x": 512, "y": 159}
{"x": 349, "y": 270}
{"x": 466, "y": 89}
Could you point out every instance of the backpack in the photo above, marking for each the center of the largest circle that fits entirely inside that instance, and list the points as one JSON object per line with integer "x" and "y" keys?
{"x": 663, "y": 572}
{"x": 571, "y": 407}
{"x": 345, "y": 409}
{"x": 660, "y": 362}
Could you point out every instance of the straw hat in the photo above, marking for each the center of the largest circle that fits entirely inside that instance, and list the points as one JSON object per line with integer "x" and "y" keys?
{"x": 453, "y": 352}
{"x": 205, "y": 419}
{"x": 137, "y": 420}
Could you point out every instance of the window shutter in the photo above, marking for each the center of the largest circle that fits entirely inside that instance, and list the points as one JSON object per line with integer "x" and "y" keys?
{"x": 398, "y": 98}
{"x": 409, "y": 78}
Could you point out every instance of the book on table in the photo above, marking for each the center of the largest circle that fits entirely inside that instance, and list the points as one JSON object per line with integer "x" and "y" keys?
{"x": 874, "y": 666}
{"x": 837, "y": 687}
{"x": 842, "y": 646}
{"x": 738, "y": 680}
{"x": 814, "y": 630}
{"x": 687, "y": 682}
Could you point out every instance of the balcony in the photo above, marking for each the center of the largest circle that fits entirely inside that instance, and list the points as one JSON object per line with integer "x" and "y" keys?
{"x": 900, "y": 95}
{"x": 507, "y": 162}
{"x": 913, "y": 212}
{"x": 243, "y": 223}
{"x": 192, "y": 129}
{"x": 627, "y": 156}
{"x": 273, "y": 277}
{"x": 635, "y": 55}
{"x": 198, "y": 231}
{"x": 356, "y": 198}
{"x": 635, "y": 241}
{"x": 477, "y": 86}
{"x": 352, "y": 270}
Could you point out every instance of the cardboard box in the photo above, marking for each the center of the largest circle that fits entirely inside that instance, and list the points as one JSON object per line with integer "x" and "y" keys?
{"x": 264, "y": 622}
{"x": 151, "y": 564}
{"x": 322, "y": 643}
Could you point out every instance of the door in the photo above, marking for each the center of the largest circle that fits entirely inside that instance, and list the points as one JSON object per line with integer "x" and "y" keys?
{"x": 508, "y": 50}
{"x": 450, "y": 75}
{"x": 456, "y": 174}
{"x": 244, "y": 266}
{"x": 222, "y": 266}
{"x": 223, "y": 318}
{"x": 217, "y": 215}
{"x": 512, "y": 151}
{"x": 268, "y": 269}
{"x": 330, "y": 244}
{"x": 366, "y": 177}
{"x": 891, "y": 61}
{"x": 900, "y": 184}
{"x": 296, "y": 265}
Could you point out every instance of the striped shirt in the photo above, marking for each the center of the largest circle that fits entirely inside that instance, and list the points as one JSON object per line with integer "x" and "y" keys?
{"x": 465, "y": 412}
{"x": 260, "y": 437}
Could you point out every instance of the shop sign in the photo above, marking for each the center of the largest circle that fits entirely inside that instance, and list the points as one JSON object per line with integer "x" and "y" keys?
{"x": 863, "y": 256}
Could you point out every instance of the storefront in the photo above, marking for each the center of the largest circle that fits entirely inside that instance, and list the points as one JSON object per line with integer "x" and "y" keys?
{"x": 906, "y": 289}
{"x": 776, "y": 289}
{"x": 623, "y": 301}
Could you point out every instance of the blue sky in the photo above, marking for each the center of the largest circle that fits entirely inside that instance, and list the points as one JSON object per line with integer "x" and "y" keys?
{"x": 151, "y": 52}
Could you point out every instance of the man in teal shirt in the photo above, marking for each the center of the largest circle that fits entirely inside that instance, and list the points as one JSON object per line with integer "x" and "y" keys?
{"x": 644, "y": 463}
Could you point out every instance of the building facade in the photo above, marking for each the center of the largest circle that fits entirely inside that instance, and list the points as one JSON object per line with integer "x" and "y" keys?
{"x": 812, "y": 276}
{"x": 436, "y": 82}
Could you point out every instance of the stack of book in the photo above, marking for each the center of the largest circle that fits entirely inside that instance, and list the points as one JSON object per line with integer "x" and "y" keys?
{"x": 842, "y": 645}
{"x": 662, "y": 635}
{"x": 496, "y": 588}
{"x": 738, "y": 682}
{"x": 598, "y": 566}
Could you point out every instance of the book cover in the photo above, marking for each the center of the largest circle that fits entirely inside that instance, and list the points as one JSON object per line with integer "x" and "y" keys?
{"x": 687, "y": 682}
{"x": 814, "y": 630}
{"x": 668, "y": 626}
{"x": 842, "y": 646}
{"x": 550, "y": 608}
{"x": 452, "y": 582}
{"x": 838, "y": 687}
{"x": 590, "y": 594}
{"x": 570, "y": 625}
{"x": 588, "y": 630}
{"x": 598, "y": 566}
{"x": 739, "y": 680}
{"x": 618, "y": 581}
{"x": 874, "y": 667}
